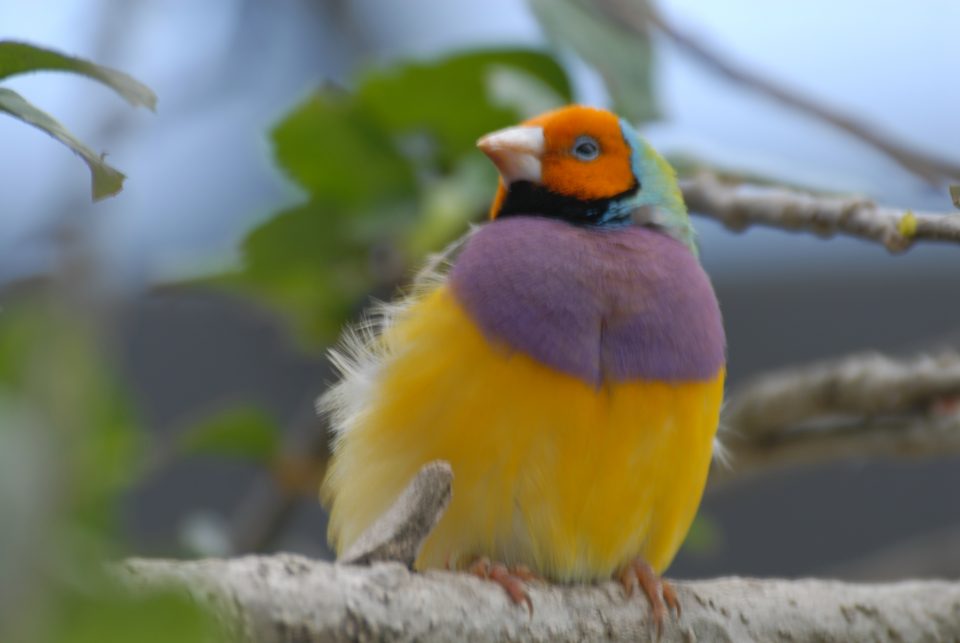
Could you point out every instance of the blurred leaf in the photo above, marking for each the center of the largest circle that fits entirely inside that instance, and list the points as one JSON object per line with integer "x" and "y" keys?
{"x": 106, "y": 181}
{"x": 705, "y": 536}
{"x": 451, "y": 99}
{"x": 113, "y": 614}
{"x": 445, "y": 201}
{"x": 51, "y": 362}
{"x": 20, "y": 58}
{"x": 313, "y": 262}
{"x": 73, "y": 429}
{"x": 241, "y": 432}
{"x": 624, "y": 59}
{"x": 392, "y": 173}
{"x": 28, "y": 505}
{"x": 522, "y": 92}
{"x": 335, "y": 150}
{"x": 955, "y": 195}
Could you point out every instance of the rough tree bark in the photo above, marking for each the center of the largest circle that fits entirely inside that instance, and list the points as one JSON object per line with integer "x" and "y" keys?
{"x": 267, "y": 599}
{"x": 285, "y": 598}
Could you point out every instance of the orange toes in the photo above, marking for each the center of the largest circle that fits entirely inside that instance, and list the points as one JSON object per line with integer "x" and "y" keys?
{"x": 525, "y": 573}
{"x": 660, "y": 594}
{"x": 512, "y": 580}
{"x": 670, "y": 596}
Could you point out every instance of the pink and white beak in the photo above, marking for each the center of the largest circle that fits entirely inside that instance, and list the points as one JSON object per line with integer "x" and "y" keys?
{"x": 516, "y": 152}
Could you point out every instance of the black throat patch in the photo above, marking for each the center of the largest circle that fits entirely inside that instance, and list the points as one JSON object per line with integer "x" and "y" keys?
{"x": 524, "y": 197}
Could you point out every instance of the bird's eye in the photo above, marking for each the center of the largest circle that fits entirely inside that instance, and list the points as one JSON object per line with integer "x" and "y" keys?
{"x": 586, "y": 148}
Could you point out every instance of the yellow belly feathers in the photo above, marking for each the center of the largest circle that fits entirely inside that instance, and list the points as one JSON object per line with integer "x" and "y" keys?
{"x": 549, "y": 471}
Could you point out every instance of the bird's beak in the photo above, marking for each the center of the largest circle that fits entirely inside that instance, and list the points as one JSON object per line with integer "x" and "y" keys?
{"x": 516, "y": 152}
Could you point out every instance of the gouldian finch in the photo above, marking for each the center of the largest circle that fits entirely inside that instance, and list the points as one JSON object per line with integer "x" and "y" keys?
{"x": 567, "y": 358}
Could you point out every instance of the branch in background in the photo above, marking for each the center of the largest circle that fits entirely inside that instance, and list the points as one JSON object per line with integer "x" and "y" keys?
{"x": 860, "y": 406}
{"x": 271, "y": 502}
{"x": 929, "y": 555}
{"x": 740, "y": 206}
{"x": 638, "y": 16}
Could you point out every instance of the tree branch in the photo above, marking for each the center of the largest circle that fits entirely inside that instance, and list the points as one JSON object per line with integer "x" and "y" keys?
{"x": 858, "y": 406}
{"x": 286, "y": 598}
{"x": 740, "y": 206}
{"x": 291, "y": 598}
{"x": 636, "y": 16}
{"x": 929, "y": 555}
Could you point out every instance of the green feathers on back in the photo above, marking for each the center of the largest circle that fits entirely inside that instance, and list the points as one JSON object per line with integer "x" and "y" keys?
{"x": 659, "y": 192}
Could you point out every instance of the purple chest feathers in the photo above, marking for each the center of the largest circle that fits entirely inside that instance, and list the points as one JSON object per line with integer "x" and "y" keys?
{"x": 602, "y": 305}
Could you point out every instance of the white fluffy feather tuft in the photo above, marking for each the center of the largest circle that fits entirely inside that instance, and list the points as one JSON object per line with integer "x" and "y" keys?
{"x": 360, "y": 354}
{"x": 721, "y": 454}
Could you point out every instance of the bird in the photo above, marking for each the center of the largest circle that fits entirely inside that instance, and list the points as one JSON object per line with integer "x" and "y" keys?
{"x": 567, "y": 359}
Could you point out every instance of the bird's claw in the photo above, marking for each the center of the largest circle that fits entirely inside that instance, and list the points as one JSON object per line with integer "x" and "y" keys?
{"x": 512, "y": 579}
{"x": 660, "y": 593}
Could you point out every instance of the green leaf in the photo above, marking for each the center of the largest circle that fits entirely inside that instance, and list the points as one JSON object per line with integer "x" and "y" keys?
{"x": 955, "y": 195}
{"x": 451, "y": 100}
{"x": 240, "y": 432}
{"x": 449, "y": 203}
{"x": 354, "y": 151}
{"x": 392, "y": 173}
{"x": 337, "y": 151}
{"x": 624, "y": 59}
{"x": 521, "y": 92}
{"x": 20, "y": 58}
{"x": 105, "y": 180}
{"x": 314, "y": 262}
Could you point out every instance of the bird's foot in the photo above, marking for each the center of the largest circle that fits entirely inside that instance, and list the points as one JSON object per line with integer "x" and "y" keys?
{"x": 660, "y": 593}
{"x": 512, "y": 579}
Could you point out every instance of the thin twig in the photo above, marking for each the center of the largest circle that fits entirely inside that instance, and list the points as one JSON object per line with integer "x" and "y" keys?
{"x": 638, "y": 16}
{"x": 271, "y": 502}
{"x": 740, "y": 206}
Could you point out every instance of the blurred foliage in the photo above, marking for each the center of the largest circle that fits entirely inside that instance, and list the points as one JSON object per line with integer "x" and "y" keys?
{"x": 705, "y": 537}
{"x": 240, "y": 432}
{"x": 955, "y": 195}
{"x": 113, "y": 615}
{"x": 390, "y": 172}
{"x": 69, "y": 449}
{"x": 48, "y": 359}
{"x": 624, "y": 59}
{"x": 69, "y": 442}
{"x": 20, "y": 58}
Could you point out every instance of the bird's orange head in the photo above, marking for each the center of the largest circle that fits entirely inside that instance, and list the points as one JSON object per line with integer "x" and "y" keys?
{"x": 586, "y": 166}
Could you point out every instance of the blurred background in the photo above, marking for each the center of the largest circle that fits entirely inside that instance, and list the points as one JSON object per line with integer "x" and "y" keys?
{"x": 160, "y": 351}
